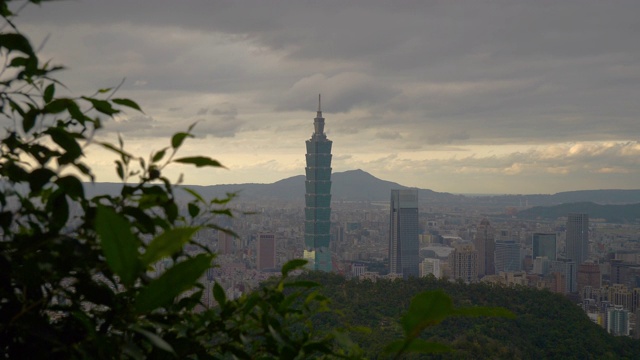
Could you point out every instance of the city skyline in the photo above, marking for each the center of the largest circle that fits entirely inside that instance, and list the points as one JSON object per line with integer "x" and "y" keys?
{"x": 521, "y": 97}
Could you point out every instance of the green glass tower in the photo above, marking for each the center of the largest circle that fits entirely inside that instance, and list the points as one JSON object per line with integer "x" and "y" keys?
{"x": 318, "y": 196}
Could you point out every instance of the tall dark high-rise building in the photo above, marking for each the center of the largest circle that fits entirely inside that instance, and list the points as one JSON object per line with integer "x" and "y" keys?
{"x": 403, "y": 233}
{"x": 318, "y": 196}
{"x": 485, "y": 244}
{"x": 266, "y": 257}
{"x": 544, "y": 245}
{"x": 577, "y": 242}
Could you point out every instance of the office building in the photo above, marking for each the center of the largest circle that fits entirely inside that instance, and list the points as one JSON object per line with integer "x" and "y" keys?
{"x": 317, "y": 233}
{"x": 567, "y": 269}
{"x": 617, "y": 321}
{"x": 508, "y": 257}
{"x": 544, "y": 245}
{"x": 577, "y": 243}
{"x": 404, "y": 233}
{"x": 463, "y": 262}
{"x": 588, "y": 274}
{"x": 225, "y": 243}
{"x": 484, "y": 243}
{"x": 430, "y": 266}
{"x": 266, "y": 257}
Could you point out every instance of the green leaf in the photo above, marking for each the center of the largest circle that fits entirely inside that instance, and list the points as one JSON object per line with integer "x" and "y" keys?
{"x": 102, "y": 106}
{"x": 158, "y": 156}
{"x": 29, "y": 120}
{"x": 17, "y": 42}
{"x": 426, "y": 309}
{"x": 57, "y": 106}
{"x": 194, "y": 194}
{"x": 39, "y": 177}
{"x": 173, "y": 282}
{"x": 128, "y": 103}
{"x": 142, "y": 220}
{"x": 65, "y": 141}
{"x": 178, "y": 139}
{"x": 59, "y": 208}
{"x": 198, "y": 161}
{"x": 119, "y": 169}
{"x": 194, "y": 209}
{"x": 71, "y": 185}
{"x": 219, "y": 294}
{"x": 167, "y": 244}
{"x": 48, "y": 93}
{"x": 119, "y": 245}
{"x": 293, "y": 265}
{"x": 156, "y": 340}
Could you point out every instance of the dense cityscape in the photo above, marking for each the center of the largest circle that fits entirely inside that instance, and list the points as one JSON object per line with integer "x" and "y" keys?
{"x": 472, "y": 195}
{"x": 593, "y": 262}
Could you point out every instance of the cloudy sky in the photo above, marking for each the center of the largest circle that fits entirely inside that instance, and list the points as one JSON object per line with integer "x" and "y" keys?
{"x": 457, "y": 96}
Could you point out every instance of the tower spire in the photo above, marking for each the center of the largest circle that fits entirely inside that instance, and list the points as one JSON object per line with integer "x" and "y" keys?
{"x": 319, "y": 108}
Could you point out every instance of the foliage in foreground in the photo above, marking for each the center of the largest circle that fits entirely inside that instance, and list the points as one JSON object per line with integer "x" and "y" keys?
{"x": 109, "y": 276}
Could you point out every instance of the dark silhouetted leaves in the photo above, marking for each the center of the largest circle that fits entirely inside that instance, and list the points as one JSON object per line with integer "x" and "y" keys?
{"x": 119, "y": 246}
{"x": 198, "y": 161}
{"x": 177, "y": 279}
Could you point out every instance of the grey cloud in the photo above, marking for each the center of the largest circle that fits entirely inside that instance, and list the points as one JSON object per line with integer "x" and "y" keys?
{"x": 447, "y": 139}
{"x": 438, "y": 73}
{"x": 388, "y": 135}
{"x": 344, "y": 91}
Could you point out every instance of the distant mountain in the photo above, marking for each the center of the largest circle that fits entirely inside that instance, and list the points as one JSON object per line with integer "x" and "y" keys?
{"x": 603, "y": 197}
{"x": 622, "y": 214}
{"x": 352, "y": 185}
{"x": 358, "y": 185}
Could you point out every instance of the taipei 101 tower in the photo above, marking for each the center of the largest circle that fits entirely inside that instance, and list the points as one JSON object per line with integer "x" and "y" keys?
{"x": 318, "y": 197}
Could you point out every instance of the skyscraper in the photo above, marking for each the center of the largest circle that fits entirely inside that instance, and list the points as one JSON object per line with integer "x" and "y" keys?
{"x": 544, "y": 245}
{"x": 508, "y": 257}
{"x": 403, "y": 233}
{"x": 577, "y": 243}
{"x": 463, "y": 262}
{"x": 485, "y": 243}
{"x": 317, "y": 210}
{"x": 266, "y": 257}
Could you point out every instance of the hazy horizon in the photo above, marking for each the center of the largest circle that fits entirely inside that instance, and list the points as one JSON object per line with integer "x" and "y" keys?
{"x": 482, "y": 97}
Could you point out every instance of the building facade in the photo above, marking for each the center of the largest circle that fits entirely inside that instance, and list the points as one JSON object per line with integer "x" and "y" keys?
{"x": 577, "y": 243}
{"x": 430, "y": 266}
{"x": 225, "y": 243}
{"x": 544, "y": 244}
{"x": 317, "y": 233}
{"x": 266, "y": 256}
{"x": 404, "y": 241}
{"x": 484, "y": 243}
{"x": 508, "y": 257}
{"x": 463, "y": 262}
{"x": 588, "y": 274}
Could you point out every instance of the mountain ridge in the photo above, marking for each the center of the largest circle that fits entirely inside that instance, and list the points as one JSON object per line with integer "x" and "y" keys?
{"x": 359, "y": 185}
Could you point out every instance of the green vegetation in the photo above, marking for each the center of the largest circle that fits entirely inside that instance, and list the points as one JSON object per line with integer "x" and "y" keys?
{"x": 546, "y": 326}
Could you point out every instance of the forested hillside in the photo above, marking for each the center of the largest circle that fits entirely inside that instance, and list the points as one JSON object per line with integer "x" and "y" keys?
{"x": 547, "y": 325}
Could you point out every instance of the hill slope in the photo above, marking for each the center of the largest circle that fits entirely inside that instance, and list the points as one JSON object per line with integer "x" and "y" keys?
{"x": 547, "y": 325}
{"x": 629, "y": 213}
